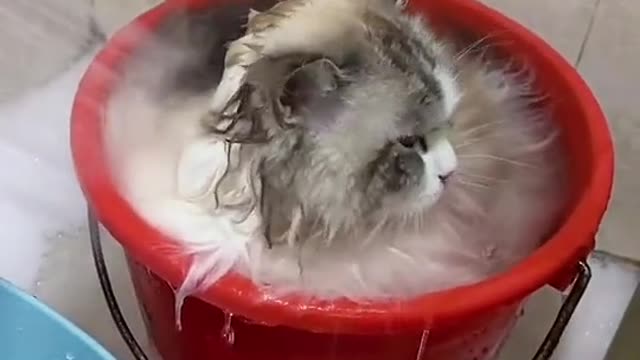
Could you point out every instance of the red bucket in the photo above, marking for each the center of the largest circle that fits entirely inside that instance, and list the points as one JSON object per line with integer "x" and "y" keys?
{"x": 461, "y": 324}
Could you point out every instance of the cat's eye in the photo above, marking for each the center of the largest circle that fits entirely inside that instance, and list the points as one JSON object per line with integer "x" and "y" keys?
{"x": 425, "y": 99}
{"x": 413, "y": 141}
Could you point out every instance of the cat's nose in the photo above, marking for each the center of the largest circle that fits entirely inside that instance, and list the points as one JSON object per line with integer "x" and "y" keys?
{"x": 445, "y": 178}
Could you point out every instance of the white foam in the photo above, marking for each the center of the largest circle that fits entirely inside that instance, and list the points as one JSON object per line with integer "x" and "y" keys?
{"x": 39, "y": 197}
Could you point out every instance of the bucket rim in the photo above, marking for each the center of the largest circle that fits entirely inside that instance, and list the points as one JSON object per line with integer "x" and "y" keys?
{"x": 571, "y": 243}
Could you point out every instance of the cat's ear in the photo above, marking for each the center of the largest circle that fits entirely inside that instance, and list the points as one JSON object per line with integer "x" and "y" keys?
{"x": 275, "y": 93}
{"x": 310, "y": 82}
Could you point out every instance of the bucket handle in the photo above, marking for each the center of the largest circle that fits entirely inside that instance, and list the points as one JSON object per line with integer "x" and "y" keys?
{"x": 109, "y": 295}
{"x": 550, "y": 342}
{"x": 544, "y": 352}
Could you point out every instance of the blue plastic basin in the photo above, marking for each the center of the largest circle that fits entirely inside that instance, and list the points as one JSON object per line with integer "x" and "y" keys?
{"x": 30, "y": 330}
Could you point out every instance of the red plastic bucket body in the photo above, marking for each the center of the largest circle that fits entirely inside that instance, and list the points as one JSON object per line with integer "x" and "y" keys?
{"x": 205, "y": 333}
{"x": 465, "y": 323}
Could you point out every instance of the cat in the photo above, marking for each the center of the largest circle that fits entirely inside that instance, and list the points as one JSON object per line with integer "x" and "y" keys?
{"x": 369, "y": 159}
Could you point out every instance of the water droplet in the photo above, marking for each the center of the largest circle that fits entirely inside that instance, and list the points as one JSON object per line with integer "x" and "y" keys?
{"x": 422, "y": 348}
{"x": 228, "y": 335}
{"x": 69, "y": 356}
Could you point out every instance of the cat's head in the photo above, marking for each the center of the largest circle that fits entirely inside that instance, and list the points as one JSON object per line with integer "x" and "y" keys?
{"x": 356, "y": 137}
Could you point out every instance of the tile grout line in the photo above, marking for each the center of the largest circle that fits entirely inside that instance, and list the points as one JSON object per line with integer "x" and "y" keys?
{"x": 587, "y": 35}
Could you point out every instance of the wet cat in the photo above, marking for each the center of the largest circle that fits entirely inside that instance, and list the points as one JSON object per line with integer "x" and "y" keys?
{"x": 367, "y": 159}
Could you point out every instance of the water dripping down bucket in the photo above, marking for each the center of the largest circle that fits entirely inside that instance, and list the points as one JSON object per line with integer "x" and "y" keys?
{"x": 422, "y": 346}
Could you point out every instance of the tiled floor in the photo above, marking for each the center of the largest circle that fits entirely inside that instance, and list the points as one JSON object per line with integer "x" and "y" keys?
{"x": 563, "y": 23}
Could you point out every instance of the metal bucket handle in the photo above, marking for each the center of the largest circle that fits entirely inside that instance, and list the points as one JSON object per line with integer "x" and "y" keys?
{"x": 567, "y": 309}
{"x": 544, "y": 352}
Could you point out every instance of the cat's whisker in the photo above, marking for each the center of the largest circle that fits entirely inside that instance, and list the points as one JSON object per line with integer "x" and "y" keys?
{"x": 480, "y": 177}
{"x": 469, "y": 142}
{"x": 485, "y": 125}
{"x": 403, "y": 255}
{"x": 471, "y": 184}
{"x": 472, "y": 140}
{"x": 371, "y": 235}
{"x": 533, "y": 97}
{"x": 497, "y": 158}
{"x": 543, "y": 143}
{"x": 473, "y": 46}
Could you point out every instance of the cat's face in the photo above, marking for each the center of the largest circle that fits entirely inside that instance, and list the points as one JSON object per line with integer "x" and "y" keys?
{"x": 370, "y": 130}
{"x": 375, "y": 139}
{"x": 371, "y": 142}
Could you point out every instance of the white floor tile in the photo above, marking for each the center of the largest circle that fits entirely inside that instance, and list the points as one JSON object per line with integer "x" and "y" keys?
{"x": 610, "y": 65}
{"x": 562, "y": 23}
